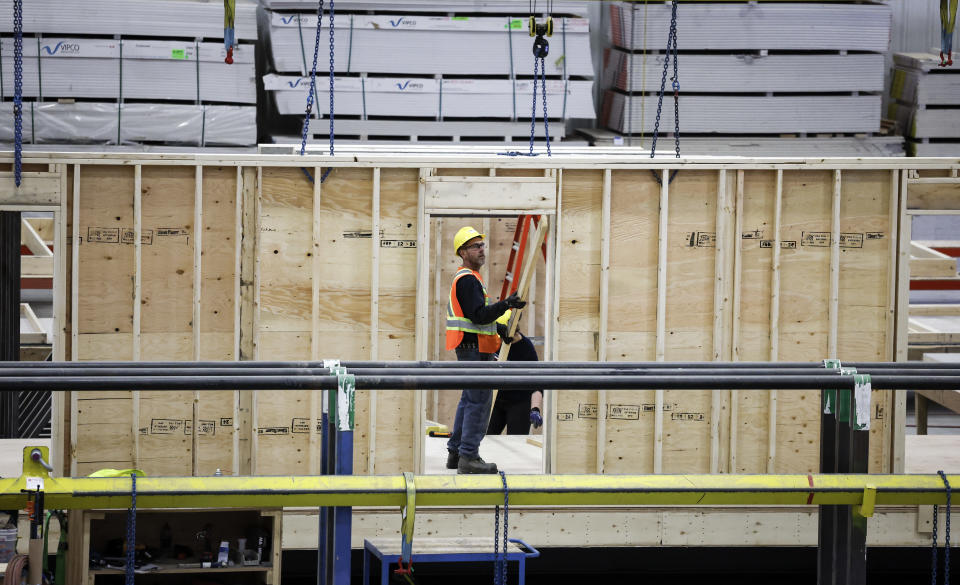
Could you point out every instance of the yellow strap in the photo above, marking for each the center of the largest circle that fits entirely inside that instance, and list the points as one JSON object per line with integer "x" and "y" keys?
{"x": 117, "y": 473}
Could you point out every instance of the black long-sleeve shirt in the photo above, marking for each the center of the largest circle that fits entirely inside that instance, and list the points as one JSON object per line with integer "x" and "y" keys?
{"x": 474, "y": 307}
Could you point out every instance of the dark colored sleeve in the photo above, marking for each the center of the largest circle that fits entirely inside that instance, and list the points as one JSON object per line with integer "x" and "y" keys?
{"x": 470, "y": 297}
{"x": 522, "y": 350}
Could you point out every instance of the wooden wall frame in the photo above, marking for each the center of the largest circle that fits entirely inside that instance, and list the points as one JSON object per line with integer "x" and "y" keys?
{"x": 596, "y": 191}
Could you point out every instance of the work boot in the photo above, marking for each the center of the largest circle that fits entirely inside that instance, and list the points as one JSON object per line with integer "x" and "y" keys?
{"x": 475, "y": 465}
{"x": 453, "y": 458}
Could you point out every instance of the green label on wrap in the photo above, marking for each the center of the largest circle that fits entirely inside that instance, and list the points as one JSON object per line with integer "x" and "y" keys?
{"x": 178, "y": 54}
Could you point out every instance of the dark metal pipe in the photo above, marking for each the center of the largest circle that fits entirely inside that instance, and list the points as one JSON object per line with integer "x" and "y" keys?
{"x": 461, "y": 371}
{"x": 481, "y": 365}
{"x": 505, "y": 382}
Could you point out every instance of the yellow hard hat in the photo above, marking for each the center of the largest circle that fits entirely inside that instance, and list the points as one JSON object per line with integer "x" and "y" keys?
{"x": 464, "y": 235}
{"x": 505, "y": 318}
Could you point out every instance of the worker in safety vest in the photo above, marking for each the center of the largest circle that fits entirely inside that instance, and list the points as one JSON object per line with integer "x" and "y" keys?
{"x": 472, "y": 332}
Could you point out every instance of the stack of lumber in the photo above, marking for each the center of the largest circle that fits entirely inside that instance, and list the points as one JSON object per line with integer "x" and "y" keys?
{"x": 138, "y": 80}
{"x": 748, "y": 69}
{"x": 925, "y": 101}
{"x": 449, "y": 70}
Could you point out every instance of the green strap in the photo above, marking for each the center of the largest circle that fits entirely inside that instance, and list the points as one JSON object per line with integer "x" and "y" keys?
{"x": 343, "y": 401}
{"x": 829, "y": 399}
{"x": 862, "y": 393}
{"x": 844, "y": 398}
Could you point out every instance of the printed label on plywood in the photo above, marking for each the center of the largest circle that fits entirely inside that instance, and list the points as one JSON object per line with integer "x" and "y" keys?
{"x": 816, "y": 239}
{"x": 587, "y": 411}
{"x": 784, "y": 244}
{"x": 623, "y": 412}
{"x": 701, "y": 239}
{"x": 102, "y": 235}
{"x": 565, "y": 416}
{"x": 688, "y": 416}
{"x": 398, "y": 243}
{"x": 273, "y": 431}
{"x": 207, "y": 427}
{"x": 300, "y": 425}
{"x": 169, "y": 232}
{"x": 127, "y": 236}
{"x": 226, "y": 422}
{"x": 752, "y": 235}
{"x": 165, "y": 426}
{"x": 850, "y": 240}
{"x": 874, "y": 235}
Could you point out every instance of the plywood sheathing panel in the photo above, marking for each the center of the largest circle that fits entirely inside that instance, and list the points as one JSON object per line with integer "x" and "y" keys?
{"x": 105, "y": 312}
{"x": 634, "y": 217}
{"x": 865, "y": 254}
{"x": 934, "y": 195}
{"x": 691, "y": 309}
{"x": 283, "y": 419}
{"x": 343, "y": 310}
{"x": 579, "y": 304}
{"x": 398, "y": 280}
{"x": 286, "y": 277}
{"x": 216, "y": 410}
{"x": 759, "y": 199}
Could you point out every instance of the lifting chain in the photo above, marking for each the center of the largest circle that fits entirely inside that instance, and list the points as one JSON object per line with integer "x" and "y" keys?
{"x": 671, "y": 53}
{"x": 18, "y": 89}
{"x": 313, "y": 89}
{"x": 131, "y": 532}
{"x": 500, "y": 558}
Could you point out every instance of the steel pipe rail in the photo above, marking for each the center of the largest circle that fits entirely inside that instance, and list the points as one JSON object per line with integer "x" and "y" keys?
{"x": 350, "y": 365}
{"x": 448, "y": 490}
{"x": 461, "y": 371}
{"x": 501, "y": 382}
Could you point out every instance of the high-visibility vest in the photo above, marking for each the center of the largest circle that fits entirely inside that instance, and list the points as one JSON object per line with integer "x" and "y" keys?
{"x": 457, "y": 324}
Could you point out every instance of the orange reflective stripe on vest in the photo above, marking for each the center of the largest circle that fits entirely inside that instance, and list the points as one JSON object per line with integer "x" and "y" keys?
{"x": 458, "y": 324}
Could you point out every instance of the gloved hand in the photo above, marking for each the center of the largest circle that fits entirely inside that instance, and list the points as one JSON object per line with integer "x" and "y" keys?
{"x": 502, "y": 332}
{"x": 514, "y": 302}
{"x": 535, "y": 418}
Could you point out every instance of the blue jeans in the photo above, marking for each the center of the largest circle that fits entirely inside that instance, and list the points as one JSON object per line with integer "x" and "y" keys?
{"x": 470, "y": 424}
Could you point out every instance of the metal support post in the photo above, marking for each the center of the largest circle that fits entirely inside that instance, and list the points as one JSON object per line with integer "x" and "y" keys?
{"x": 844, "y": 448}
{"x": 322, "y": 533}
{"x": 827, "y": 527}
{"x": 9, "y": 314}
{"x": 333, "y": 562}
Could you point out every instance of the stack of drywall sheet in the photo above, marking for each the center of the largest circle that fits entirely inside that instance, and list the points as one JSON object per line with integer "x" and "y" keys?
{"x": 755, "y": 146}
{"x": 431, "y": 98}
{"x": 480, "y": 68}
{"x": 750, "y": 26}
{"x": 70, "y": 67}
{"x": 427, "y": 45}
{"x": 110, "y": 123}
{"x": 154, "y": 18}
{"x": 748, "y": 68}
{"x": 157, "y": 87}
{"x": 747, "y": 73}
{"x": 473, "y": 6}
{"x": 925, "y": 101}
{"x": 718, "y": 114}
